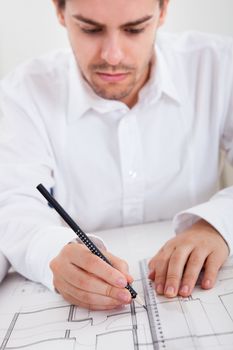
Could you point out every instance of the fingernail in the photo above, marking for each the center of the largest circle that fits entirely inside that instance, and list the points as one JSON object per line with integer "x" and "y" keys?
{"x": 159, "y": 289}
{"x": 123, "y": 296}
{"x": 149, "y": 273}
{"x": 120, "y": 307}
{"x": 184, "y": 289}
{"x": 121, "y": 282}
{"x": 170, "y": 291}
{"x": 207, "y": 284}
{"x": 149, "y": 276}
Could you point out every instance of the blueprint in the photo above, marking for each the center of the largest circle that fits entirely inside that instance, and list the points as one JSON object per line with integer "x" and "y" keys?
{"x": 202, "y": 321}
{"x": 31, "y": 317}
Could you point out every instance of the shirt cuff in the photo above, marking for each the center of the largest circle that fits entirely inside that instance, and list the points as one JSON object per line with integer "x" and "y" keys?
{"x": 45, "y": 246}
{"x": 217, "y": 212}
{"x": 4, "y": 266}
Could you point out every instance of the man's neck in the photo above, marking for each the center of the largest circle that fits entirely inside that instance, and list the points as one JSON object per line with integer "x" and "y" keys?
{"x": 132, "y": 99}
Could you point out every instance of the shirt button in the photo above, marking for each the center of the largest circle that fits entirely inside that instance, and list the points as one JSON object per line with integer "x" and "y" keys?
{"x": 132, "y": 174}
{"x": 123, "y": 111}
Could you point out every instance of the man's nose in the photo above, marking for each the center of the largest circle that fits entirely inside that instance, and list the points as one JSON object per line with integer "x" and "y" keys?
{"x": 112, "y": 51}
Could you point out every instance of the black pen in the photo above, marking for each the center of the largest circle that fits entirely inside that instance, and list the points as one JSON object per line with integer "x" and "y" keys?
{"x": 82, "y": 236}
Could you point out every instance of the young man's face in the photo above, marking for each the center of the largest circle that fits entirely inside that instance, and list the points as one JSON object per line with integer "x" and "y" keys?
{"x": 113, "y": 42}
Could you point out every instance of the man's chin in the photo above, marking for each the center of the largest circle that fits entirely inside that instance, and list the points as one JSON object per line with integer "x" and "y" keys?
{"x": 112, "y": 92}
{"x": 108, "y": 95}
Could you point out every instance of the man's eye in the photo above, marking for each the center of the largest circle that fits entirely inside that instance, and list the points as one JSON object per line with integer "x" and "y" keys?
{"x": 91, "y": 30}
{"x": 134, "y": 30}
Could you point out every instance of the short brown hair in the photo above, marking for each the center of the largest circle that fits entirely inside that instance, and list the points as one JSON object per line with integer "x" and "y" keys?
{"x": 61, "y": 3}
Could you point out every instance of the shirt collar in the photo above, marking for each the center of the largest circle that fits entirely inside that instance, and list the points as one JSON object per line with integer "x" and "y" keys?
{"x": 160, "y": 81}
{"x": 81, "y": 97}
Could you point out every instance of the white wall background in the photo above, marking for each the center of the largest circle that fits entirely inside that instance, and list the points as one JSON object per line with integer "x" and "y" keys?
{"x": 29, "y": 28}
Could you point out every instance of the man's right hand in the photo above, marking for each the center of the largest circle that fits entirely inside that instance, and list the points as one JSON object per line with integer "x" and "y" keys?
{"x": 84, "y": 279}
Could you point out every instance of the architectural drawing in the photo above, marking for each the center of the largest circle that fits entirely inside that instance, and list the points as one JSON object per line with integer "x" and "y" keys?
{"x": 33, "y": 318}
{"x": 63, "y": 326}
{"x": 202, "y": 321}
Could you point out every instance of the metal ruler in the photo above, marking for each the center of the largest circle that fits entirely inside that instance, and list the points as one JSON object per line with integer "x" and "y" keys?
{"x": 152, "y": 310}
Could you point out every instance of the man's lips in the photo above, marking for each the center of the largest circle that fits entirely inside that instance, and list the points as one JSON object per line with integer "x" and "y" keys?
{"x": 112, "y": 77}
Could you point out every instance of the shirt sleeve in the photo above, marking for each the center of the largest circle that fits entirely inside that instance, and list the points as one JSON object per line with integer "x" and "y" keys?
{"x": 31, "y": 232}
{"x": 218, "y": 211}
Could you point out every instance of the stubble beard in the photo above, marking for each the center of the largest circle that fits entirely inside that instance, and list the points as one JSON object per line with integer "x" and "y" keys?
{"x": 118, "y": 92}
{"x": 112, "y": 91}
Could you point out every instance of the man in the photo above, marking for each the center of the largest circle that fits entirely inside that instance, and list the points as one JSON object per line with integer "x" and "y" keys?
{"x": 124, "y": 131}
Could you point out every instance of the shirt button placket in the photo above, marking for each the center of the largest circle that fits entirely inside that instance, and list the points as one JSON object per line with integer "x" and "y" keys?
{"x": 131, "y": 170}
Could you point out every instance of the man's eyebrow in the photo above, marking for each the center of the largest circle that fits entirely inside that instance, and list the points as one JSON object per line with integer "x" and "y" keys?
{"x": 87, "y": 20}
{"x": 137, "y": 21}
{"x": 128, "y": 24}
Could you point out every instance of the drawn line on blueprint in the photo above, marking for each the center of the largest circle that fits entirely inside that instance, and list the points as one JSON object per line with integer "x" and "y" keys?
{"x": 188, "y": 323}
{"x": 134, "y": 325}
{"x": 71, "y": 318}
{"x": 9, "y": 331}
{"x": 223, "y": 304}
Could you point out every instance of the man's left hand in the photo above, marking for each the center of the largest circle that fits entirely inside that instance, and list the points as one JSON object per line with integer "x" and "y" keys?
{"x": 177, "y": 265}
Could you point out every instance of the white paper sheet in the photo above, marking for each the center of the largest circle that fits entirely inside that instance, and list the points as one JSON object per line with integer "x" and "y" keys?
{"x": 31, "y": 317}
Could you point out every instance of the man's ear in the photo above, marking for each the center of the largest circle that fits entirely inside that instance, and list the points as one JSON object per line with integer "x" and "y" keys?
{"x": 163, "y": 12}
{"x": 60, "y": 13}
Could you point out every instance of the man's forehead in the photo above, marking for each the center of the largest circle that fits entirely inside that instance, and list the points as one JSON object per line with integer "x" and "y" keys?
{"x": 112, "y": 11}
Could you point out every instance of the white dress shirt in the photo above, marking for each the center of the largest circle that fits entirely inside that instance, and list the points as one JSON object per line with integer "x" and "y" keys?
{"x": 109, "y": 165}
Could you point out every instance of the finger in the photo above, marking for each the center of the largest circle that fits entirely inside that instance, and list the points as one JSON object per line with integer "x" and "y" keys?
{"x": 121, "y": 265}
{"x": 77, "y": 279}
{"x": 151, "y": 268}
{"x": 90, "y": 298}
{"x": 80, "y": 256}
{"x": 192, "y": 270}
{"x": 158, "y": 269}
{"x": 212, "y": 266}
{"x": 158, "y": 266}
{"x": 151, "y": 275}
{"x": 175, "y": 271}
{"x": 117, "y": 263}
{"x": 85, "y": 305}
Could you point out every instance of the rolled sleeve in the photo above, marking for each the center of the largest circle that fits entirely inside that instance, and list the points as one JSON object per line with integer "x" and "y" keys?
{"x": 218, "y": 212}
{"x": 50, "y": 241}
